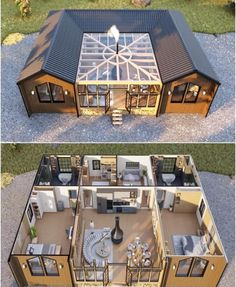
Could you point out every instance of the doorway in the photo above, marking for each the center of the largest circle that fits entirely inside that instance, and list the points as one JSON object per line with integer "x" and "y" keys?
{"x": 118, "y": 96}
{"x": 145, "y": 199}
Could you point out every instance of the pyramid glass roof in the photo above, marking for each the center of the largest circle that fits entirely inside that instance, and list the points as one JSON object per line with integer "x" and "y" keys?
{"x": 99, "y": 61}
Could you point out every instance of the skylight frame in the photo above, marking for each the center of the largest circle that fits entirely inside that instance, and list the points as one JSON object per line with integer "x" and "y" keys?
{"x": 135, "y": 58}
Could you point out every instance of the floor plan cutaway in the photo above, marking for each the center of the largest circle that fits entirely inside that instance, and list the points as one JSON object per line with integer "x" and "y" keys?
{"x": 123, "y": 220}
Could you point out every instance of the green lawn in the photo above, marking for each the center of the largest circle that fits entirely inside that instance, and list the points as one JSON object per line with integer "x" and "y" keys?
{"x": 218, "y": 158}
{"x": 209, "y": 16}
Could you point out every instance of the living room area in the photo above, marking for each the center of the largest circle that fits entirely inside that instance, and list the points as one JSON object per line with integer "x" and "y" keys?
{"x": 116, "y": 239}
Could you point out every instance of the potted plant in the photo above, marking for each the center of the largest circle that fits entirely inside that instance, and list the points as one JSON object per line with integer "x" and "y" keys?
{"x": 33, "y": 232}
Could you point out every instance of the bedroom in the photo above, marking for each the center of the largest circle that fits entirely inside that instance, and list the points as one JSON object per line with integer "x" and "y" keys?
{"x": 49, "y": 208}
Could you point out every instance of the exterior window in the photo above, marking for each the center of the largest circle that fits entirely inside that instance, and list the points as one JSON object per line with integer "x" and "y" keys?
{"x": 30, "y": 213}
{"x": 143, "y": 96}
{"x": 43, "y": 93}
{"x": 102, "y": 89}
{"x": 57, "y": 93}
{"x": 143, "y": 101}
{"x": 199, "y": 267}
{"x": 152, "y": 101}
{"x": 202, "y": 208}
{"x": 184, "y": 267}
{"x": 178, "y": 94}
{"x": 72, "y": 193}
{"x": 192, "y": 93}
{"x": 92, "y": 89}
{"x": 50, "y": 266}
{"x": 35, "y": 266}
{"x": 92, "y": 95}
{"x": 64, "y": 164}
{"x": 168, "y": 165}
{"x": 96, "y": 164}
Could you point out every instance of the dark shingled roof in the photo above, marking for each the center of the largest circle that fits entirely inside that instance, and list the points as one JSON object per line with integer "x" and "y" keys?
{"x": 57, "y": 48}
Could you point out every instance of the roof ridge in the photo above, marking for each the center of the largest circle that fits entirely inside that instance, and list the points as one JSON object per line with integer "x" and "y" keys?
{"x": 53, "y": 39}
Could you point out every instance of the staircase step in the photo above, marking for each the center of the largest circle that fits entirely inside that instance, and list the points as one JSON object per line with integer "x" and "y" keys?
{"x": 117, "y": 117}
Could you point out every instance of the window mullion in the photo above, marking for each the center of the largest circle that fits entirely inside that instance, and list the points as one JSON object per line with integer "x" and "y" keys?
{"x": 185, "y": 92}
{"x": 42, "y": 264}
{"x": 50, "y": 92}
{"x": 191, "y": 267}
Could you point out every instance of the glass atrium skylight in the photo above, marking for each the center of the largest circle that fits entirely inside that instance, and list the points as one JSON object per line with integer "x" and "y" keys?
{"x": 135, "y": 60}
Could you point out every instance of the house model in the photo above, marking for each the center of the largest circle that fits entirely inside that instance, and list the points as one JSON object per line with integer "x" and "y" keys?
{"x": 123, "y": 220}
{"x": 153, "y": 66}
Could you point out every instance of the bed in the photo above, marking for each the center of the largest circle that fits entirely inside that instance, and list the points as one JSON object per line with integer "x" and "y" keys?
{"x": 42, "y": 249}
{"x": 131, "y": 176}
{"x": 190, "y": 245}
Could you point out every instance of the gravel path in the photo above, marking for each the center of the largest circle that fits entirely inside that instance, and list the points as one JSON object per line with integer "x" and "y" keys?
{"x": 218, "y": 126}
{"x": 219, "y": 191}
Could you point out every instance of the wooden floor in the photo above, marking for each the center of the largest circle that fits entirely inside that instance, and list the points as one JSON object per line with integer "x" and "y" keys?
{"x": 118, "y": 98}
{"x": 178, "y": 224}
{"x": 51, "y": 229}
{"x": 138, "y": 224}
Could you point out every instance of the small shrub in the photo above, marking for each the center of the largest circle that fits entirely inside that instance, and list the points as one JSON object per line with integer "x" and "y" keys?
{"x": 13, "y": 146}
{"x": 33, "y": 232}
{"x": 24, "y": 7}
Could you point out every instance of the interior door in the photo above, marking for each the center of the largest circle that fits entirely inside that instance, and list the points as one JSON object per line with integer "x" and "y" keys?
{"x": 107, "y": 101}
{"x": 128, "y": 102}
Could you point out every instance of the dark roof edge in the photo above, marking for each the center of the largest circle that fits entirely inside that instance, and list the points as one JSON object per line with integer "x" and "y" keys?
{"x": 54, "y": 34}
{"x": 46, "y": 72}
{"x": 173, "y": 14}
{"x": 190, "y": 73}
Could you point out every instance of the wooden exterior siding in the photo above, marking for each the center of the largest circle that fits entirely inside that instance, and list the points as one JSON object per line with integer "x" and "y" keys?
{"x": 203, "y": 102}
{"x": 64, "y": 278}
{"x": 210, "y": 278}
{"x": 32, "y": 102}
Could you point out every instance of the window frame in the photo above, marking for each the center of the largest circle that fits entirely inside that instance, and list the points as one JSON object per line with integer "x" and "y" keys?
{"x": 173, "y": 159}
{"x": 45, "y": 269}
{"x": 189, "y": 268}
{"x": 187, "y": 85}
{"x": 196, "y": 97}
{"x": 51, "y": 99}
{"x": 192, "y": 267}
{"x": 30, "y": 217}
{"x": 54, "y": 101}
{"x": 202, "y": 208}
{"x": 95, "y": 162}
{"x": 62, "y": 169}
{"x": 85, "y": 94}
{"x": 38, "y": 94}
{"x": 41, "y": 264}
{"x": 183, "y": 96}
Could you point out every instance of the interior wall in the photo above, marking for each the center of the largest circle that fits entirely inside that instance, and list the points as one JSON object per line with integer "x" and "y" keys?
{"x": 47, "y": 200}
{"x": 33, "y": 220}
{"x": 90, "y": 165}
{"x": 189, "y": 201}
{"x": 110, "y": 190}
{"x": 23, "y": 236}
{"x": 62, "y": 194}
